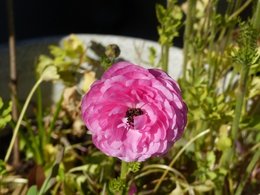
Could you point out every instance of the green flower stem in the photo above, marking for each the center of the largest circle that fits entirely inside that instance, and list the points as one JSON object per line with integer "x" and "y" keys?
{"x": 124, "y": 170}
{"x": 21, "y": 117}
{"x": 228, "y": 154}
{"x": 39, "y": 120}
{"x": 237, "y": 4}
{"x": 177, "y": 156}
{"x": 55, "y": 116}
{"x": 165, "y": 57}
{"x": 35, "y": 144}
{"x": 240, "y": 101}
{"x": 249, "y": 170}
{"x": 39, "y": 108}
{"x": 187, "y": 34}
{"x": 123, "y": 174}
{"x": 227, "y": 32}
{"x": 256, "y": 19}
{"x": 241, "y": 9}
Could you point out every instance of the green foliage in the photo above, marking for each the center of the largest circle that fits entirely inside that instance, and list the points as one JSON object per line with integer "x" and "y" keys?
{"x": 117, "y": 185}
{"x": 3, "y": 170}
{"x": 5, "y": 114}
{"x": 50, "y": 73}
{"x": 32, "y": 190}
{"x": 51, "y": 178}
{"x": 134, "y": 166}
{"x": 170, "y": 21}
{"x": 247, "y": 52}
{"x": 211, "y": 88}
{"x": 66, "y": 59}
{"x": 152, "y": 56}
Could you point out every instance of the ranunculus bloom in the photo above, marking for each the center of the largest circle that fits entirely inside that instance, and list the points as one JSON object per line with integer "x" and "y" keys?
{"x": 134, "y": 113}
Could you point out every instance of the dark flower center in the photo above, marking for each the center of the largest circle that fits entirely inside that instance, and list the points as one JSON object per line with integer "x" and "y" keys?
{"x": 131, "y": 112}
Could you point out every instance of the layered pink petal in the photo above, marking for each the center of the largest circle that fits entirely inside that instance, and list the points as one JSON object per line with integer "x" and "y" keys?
{"x": 134, "y": 113}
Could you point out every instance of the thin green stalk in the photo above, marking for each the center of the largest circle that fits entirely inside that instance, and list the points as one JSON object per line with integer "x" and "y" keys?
{"x": 124, "y": 170}
{"x": 256, "y": 18}
{"x": 55, "y": 116}
{"x": 228, "y": 154}
{"x": 240, "y": 10}
{"x": 239, "y": 107}
{"x": 227, "y": 31}
{"x": 177, "y": 156}
{"x": 249, "y": 170}
{"x": 240, "y": 101}
{"x": 39, "y": 108}
{"x": 40, "y": 119}
{"x": 34, "y": 146}
{"x": 21, "y": 117}
{"x": 165, "y": 57}
{"x": 123, "y": 174}
{"x": 187, "y": 34}
{"x": 237, "y": 4}
{"x": 212, "y": 27}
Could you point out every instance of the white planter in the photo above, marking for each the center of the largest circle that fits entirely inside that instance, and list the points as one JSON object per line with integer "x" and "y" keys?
{"x": 132, "y": 49}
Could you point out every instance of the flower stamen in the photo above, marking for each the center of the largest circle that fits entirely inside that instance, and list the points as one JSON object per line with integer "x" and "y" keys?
{"x": 131, "y": 113}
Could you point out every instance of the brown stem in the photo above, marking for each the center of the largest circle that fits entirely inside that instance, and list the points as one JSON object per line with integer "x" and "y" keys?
{"x": 13, "y": 73}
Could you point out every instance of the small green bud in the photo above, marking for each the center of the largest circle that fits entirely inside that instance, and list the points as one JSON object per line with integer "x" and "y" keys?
{"x": 134, "y": 166}
{"x": 112, "y": 51}
{"x": 117, "y": 185}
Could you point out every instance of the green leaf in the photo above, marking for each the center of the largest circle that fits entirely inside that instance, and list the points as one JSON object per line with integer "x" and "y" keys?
{"x": 204, "y": 187}
{"x": 51, "y": 179}
{"x": 223, "y": 143}
{"x": 44, "y": 61}
{"x": 211, "y": 158}
{"x": 32, "y": 190}
{"x": 1, "y": 103}
{"x": 152, "y": 55}
{"x": 2, "y": 167}
{"x": 177, "y": 190}
{"x": 88, "y": 168}
{"x": 160, "y": 12}
{"x": 57, "y": 51}
{"x": 50, "y": 73}
{"x": 5, "y": 114}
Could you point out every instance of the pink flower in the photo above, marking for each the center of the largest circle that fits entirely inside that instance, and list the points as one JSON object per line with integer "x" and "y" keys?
{"x": 134, "y": 113}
